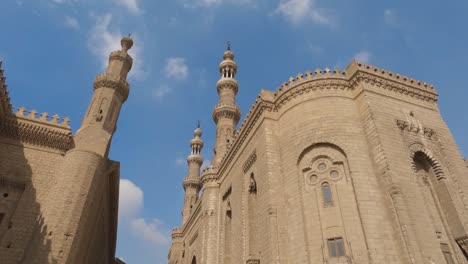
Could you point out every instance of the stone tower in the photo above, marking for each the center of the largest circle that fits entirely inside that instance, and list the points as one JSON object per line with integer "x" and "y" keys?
{"x": 192, "y": 183}
{"x": 333, "y": 167}
{"x": 226, "y": 113}
{"x": 60, "y": 191}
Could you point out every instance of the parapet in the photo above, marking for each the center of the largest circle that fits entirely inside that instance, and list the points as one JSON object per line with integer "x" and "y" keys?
{"x": 43, "y": 118}
{"x": 38, "y": 129}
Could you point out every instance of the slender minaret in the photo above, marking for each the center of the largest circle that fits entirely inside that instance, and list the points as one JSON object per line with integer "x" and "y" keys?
{"x": 192, "y": 183}
{"x": 226, "y": 113}
{"x": 110, "y": 92}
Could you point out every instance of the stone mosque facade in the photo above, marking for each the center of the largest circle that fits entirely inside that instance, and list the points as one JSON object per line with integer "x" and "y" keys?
{"x": 353, "y": 166}
{"x": 59, "y": 192}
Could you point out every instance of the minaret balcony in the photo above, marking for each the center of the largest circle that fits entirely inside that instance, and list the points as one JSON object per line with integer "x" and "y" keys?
{"x": 195, "y": 158}
{"x": 227, "y": 83}
{"x": 105, "y": 81}
{"x": 226, "y": 110}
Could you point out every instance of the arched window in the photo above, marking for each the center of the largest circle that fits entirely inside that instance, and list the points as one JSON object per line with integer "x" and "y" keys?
{"x": 194, "y": 260}
{"x": 327, "y": 196}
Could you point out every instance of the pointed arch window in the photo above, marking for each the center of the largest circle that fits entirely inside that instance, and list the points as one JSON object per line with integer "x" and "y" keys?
{"x": 327, "y": 195}
{"x": 194, "y": 260}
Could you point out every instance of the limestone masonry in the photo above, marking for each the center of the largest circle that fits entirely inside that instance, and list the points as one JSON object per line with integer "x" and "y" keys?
{"x": 59, "y": 192}
{"x": 353, "y": 166}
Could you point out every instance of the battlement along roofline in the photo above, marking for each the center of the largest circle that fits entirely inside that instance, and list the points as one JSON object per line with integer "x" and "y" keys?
{"x": 268, "y": 100}
{"x": 40, "y": 130}
{"x": 5, "y": 102}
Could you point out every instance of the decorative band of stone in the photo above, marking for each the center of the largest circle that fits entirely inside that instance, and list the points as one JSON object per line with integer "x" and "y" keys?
{"x": 398, "y": 87}
{"x": 226, "y": 110}
{"x": 415, "y": 128}
{"x": 253, "y": 261}
{"x": 176, "y": 233}
{"x": 121, "y": 56}
{"x": 195, "y": 183}
{"x": 209, "y": 174}
{"x": 249, "y": 162}
{"x": 197, "y": 159}
{"x": 121, "y": 87}
{"x": 227, "y": 83}
{"x": 60, "y": 139}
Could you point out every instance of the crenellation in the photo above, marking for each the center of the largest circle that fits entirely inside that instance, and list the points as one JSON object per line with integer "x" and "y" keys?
{"x": 44, "y": 118}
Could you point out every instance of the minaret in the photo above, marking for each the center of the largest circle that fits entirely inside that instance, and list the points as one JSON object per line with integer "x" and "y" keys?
{"x": 86, "y": 176}
{"x": 110, "y": 92}
{"x": 226, "y": 113}
{"x": 192, "y": 183}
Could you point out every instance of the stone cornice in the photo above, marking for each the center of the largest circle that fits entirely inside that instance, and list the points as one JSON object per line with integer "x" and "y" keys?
{"x": 120, "y": 86}
{"x": 390, "y": 81}
{"x": 36, "y": 133}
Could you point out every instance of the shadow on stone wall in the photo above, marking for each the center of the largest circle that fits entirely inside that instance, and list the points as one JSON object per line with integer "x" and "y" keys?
{"x": 23, "y": 233}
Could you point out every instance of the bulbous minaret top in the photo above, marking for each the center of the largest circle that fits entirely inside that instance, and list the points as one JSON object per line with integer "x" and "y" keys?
{"x": 192, "y": 183}
{"x": 226, "y": 113}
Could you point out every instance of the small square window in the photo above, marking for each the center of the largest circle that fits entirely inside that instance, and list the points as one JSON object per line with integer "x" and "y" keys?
{"x": 336, "y": 247}
{"x": 1, "y": 217}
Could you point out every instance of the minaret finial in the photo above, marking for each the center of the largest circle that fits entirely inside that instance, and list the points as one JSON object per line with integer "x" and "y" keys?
{"x": 198, "y": 123}
{"x": 229, "y": 45}
{"x": 126, "y": 43}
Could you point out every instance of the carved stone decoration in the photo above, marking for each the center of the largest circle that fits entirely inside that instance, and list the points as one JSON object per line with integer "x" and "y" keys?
{"x": 60, "y": 139}
{"x": 463, "y": 243}
{"x": 249, "y": 162}
{"x": 253, "y": 261}
{"x": 416, "y": 129}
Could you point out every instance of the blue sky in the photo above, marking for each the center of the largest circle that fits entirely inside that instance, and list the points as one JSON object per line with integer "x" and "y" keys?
{"x": 52, "y": 50}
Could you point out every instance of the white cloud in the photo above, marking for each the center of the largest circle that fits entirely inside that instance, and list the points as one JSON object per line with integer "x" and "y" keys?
{"x": 363, "y": 56}
{"x": 176, "y": 68}
{"x": 102, "y": 41}
{"x": 390, "y": 17}
{"x": 131, "y": 5}
{"x": 150, "y": 231}
{"x": 72, "y": 23}
{"x": 161, "y": 91}
{"x": 130, "y": 199}
{"x": 130, "y": 206}
{"x": 299, "y": 11}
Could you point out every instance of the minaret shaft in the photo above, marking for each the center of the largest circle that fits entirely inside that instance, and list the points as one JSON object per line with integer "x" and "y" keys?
{"x": 226, "y": 113}
{"x": 192, "y": 184}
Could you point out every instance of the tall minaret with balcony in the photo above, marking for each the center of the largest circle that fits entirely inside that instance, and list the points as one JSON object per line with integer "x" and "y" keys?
{"x": 192, "y": 183}
{"x": 226, "y": 113}
{"x": 111, "y": 90}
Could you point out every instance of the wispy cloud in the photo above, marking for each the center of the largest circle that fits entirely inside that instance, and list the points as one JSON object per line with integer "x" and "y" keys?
{"x": 161, "y": 91}
{"x": 176, "y": 68}
{"x": 103, "y": 40}
{"x": 301, "y": 11}
{"x": 131, "y": 5}
{"x": 391, "y": 17}
{"x": 150, "y": 231}
{"x": 180, "y": 161}
{"x": 363, "y": 56}
{"x": 71, "y": 22}
{"x": 130, "y": 206}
